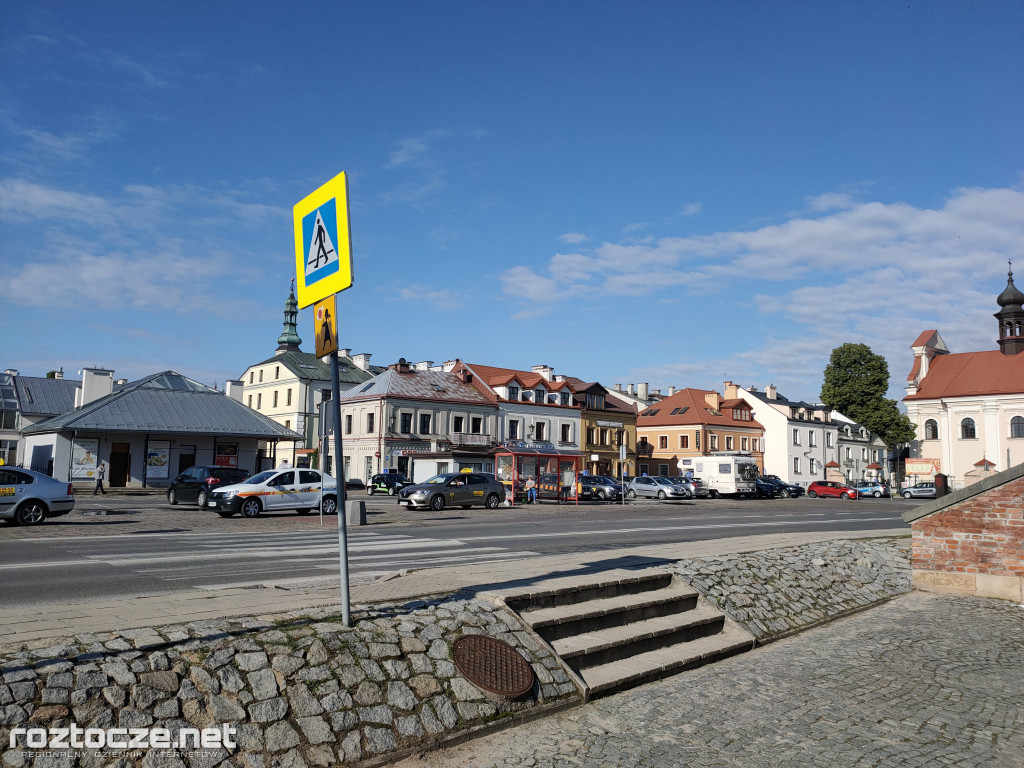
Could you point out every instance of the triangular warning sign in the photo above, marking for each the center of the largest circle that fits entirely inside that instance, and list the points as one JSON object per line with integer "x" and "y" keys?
{"x": 321, "y": 247}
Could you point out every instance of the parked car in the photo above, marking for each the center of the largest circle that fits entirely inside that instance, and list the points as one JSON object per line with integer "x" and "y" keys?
{"x": 390, "y": 483}
{"x": 195, "y": 483}
{"x": 552, "y": 485}
{"x": 872, "y": 488}
{"x": 696, "y": 487}
{"x": 764, "y": 489}
{"x": 28, "y": 497}
{"x": 277, "y": 489}
{"x": 354, "y": 484}
{"x": 827, "y": 488}
{"x": 599, "y": 487}
{"x": 919, "y": 491}
{"x": 655, "y": 487}
{"x": 461, "y": 489}
{"x": 785, "y": 489}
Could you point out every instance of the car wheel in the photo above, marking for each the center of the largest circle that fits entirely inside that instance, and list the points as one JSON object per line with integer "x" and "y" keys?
{"x": 493, "y": 502}
{"x": 662, "y": 495}
{"x": 812, "y": 494}
{"x": 907, "y": 494}
{"x": 201, "y": 499}
{"x": 225, "y": 514}
{"x": 251, "y": 508}
{"x": 329, "y": 505}
{"x": 437, "y": 502}
{"x": 172, "y": 497}
{"x": 844, "y": 495}
{"x": 369, "y": 490}
{"x": 391, "y": 491}
{"x": 30, "y": 513}
{"x": 715, "y": 494}
{"x": 877, "y": 494}
{"x": 601, "y": 496}
{"x": 630, "y": 494}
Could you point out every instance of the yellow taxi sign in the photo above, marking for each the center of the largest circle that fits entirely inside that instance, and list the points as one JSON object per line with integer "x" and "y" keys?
{"x": 325, "y": 319}
{"x": 323, "y": 252}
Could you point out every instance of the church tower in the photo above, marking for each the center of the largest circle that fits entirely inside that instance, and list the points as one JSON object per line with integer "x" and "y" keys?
{"x": 1011, "y": 318}
{"x": 289, "y": 340}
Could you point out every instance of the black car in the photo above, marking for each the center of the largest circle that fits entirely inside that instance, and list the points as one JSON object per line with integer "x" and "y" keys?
{"x": 785, "y": 489}
{"x": 598, "y": 487}
{"x": 390, "y": 483}
{"x": 196, "y": 483}
{"x": 766, "y": 489}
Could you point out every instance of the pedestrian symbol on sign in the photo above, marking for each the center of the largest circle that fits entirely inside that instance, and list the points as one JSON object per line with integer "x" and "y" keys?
{"x": 320, "y": 228}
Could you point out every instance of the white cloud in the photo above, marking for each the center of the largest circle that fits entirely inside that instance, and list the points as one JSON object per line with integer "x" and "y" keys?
{"x": 573, "y": 238}
{"x": 690, "y": 209}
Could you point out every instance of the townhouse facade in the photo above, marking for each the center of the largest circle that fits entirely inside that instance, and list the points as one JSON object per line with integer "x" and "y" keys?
{"x": 799, "y": 438}
{"x": 416, "y": 421}
{"x": 862, "y": 455}
{"x": 969, "y": 407}
{"x": 608, "y": 429}
{"x": 691, "y": 423}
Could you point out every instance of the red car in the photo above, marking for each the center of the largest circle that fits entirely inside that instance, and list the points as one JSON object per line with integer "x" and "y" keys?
{"x": 829, "y": 488}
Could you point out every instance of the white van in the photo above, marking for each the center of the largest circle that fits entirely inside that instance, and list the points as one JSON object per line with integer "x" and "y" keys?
{"x": 725, "y": 474}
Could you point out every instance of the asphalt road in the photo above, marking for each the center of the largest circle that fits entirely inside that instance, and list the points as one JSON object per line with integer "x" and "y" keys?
{"x": 130, "y": 546}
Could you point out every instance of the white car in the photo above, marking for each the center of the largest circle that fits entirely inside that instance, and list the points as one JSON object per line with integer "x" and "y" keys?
{"x": 276, "y": 489}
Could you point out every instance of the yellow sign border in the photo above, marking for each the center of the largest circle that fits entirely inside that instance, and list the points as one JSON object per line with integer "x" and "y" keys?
{"x": 336, "y": 188}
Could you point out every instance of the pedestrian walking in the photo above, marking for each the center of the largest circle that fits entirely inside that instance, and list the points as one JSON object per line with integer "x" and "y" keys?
{"x": 101, "y": 472}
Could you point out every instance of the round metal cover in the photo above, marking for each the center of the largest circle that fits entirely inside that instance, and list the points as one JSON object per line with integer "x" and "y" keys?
{"x": 493, "y": 665}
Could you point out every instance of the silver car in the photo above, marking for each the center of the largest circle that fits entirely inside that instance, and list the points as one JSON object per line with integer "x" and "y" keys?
{"x": 695, "y": 486}
{"x": 462, "y": 489}
{"x": 919, "y": 491}
{"x": 28, "y": 497}
{"x": 655, "y": 487}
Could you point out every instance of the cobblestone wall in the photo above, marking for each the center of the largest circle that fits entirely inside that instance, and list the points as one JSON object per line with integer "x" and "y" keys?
{"x": 780, "y": 591}
{"x": 299, "y": 691}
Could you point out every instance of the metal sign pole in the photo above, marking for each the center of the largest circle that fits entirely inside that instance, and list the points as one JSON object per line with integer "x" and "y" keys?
{"x": 340, "y": 480}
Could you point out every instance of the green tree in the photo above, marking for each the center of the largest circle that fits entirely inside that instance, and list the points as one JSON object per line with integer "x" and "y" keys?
{"x": 855, "y": 383}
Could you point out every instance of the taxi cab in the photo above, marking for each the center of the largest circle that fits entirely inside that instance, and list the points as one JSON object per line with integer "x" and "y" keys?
{"x": 28, "y": 497}
{"x": 275, "y": 490}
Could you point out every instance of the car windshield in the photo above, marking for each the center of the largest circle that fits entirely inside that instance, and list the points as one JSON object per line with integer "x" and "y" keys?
{"x": 262, "y": 477}
{"x": 664, "y": 480}
{"x": 437, "y": 479}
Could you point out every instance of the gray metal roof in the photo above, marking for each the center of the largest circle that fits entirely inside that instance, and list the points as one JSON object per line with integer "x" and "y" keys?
{"x": 419, "y": 385}
{"x": 310, "y": 367}
{"x": 45, "y": 397}
{"x": 167, "y": 403}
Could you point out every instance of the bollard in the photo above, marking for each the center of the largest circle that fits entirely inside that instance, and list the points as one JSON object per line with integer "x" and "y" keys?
{"x": 355, "y": 513}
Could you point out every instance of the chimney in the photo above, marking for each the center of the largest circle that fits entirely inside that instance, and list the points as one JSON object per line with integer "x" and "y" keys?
{"x": 656, "y": 393}
{"x": 423, "y": 366}
{"x": 464, "y": 375}
{"x": 671, "y": 391}
{"x": 713, "y": 399}
{"x": 344, "y": 352}
{"x": 96, "y": 383}
{"x": 752, "y": 388}
{"x": 59, "y": 374}
{"x": 233, "y": 389}
{"x": 362, "y": 360}
{"x": 11, "y": 371}
{"x": 730, "y": 390}
{"x": 770, "y": 392}
{"x": 618, "y": 387}
{"x": 402, "y": 366}
{"x": 642, "y": 390}
{"x": 545, "y": 371}
{"x": 629, "y": 389}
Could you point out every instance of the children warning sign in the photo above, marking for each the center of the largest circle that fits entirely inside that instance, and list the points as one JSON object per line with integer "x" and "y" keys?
{"x": 323, "y": 254}
{"x": 325, "y": 317}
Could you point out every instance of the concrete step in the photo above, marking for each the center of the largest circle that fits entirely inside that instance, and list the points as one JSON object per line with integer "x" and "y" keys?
{"x": 615, "y": 643}
{"x": 576, "y": 589}
{"x": 567, "y": 619}
{"x": 653, "y": 665}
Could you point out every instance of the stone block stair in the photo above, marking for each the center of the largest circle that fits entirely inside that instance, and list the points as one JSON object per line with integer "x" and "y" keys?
{"x": 623, "y": 628}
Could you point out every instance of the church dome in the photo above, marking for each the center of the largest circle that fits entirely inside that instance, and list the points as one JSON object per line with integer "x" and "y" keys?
{"x": 1011, "y": 295}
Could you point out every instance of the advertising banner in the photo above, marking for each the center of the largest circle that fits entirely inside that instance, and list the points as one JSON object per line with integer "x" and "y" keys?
{"x": 227, "y": 455}
{"x": 922, "y": 466}
{"x": 84, "y": 458}
{"x": 158, "y": 457}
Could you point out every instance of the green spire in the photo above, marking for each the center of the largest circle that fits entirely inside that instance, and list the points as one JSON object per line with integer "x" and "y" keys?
{"x": 289, "y": 339}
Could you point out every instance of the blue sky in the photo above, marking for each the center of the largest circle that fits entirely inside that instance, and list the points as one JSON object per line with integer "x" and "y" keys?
{"x": 667, "y": 192}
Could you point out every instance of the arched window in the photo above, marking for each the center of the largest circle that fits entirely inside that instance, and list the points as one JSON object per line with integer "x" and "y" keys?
{"x": 931, "y": 430}
{"x": 967, "y": 430}
{"x": 1017, "y": 426}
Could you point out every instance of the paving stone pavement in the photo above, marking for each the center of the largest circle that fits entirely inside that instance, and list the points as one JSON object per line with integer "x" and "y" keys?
{"x": 925, "y": 680}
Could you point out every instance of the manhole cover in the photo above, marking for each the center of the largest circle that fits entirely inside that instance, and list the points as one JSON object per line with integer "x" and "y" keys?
{"x": 493, "y": 665}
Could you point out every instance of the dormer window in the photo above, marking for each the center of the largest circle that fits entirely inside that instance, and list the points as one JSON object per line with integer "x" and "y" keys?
{"x": 538, "y": 395}
{"x": 513, "y": 393}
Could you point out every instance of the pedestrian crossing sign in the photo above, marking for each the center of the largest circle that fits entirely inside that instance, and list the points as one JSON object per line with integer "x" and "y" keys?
{"x": 323, "y": 253}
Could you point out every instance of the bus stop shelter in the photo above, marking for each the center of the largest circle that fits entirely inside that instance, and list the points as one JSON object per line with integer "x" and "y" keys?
{"x": 515, "y": 463}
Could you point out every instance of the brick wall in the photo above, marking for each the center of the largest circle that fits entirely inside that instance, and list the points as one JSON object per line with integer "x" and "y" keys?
{"x": 973, "y": 543}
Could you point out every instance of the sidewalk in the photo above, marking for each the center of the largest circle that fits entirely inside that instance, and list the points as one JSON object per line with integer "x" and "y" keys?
{"x": 25, "y": 626}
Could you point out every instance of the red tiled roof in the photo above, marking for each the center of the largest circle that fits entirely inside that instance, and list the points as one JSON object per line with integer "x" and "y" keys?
{"x": 498, "y": 377}
{"x": 697, "y": 411}
{"x": 924, "y": 338}
{"x": 969, "y": 374}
